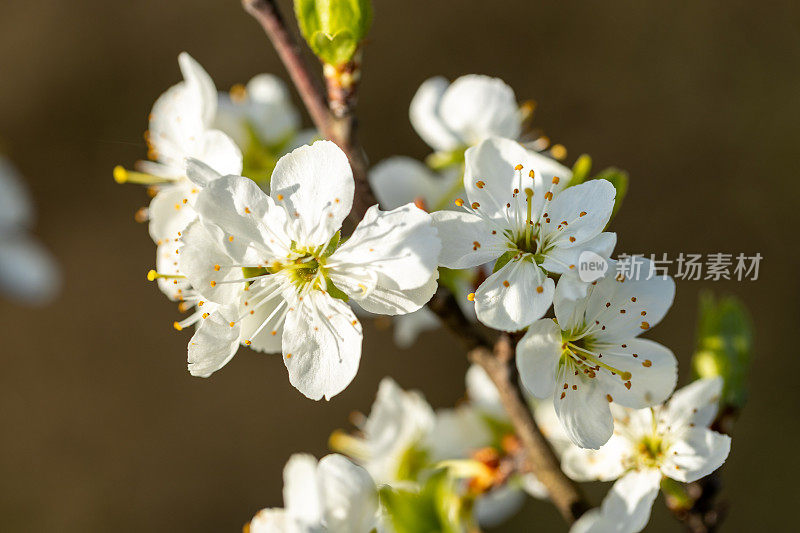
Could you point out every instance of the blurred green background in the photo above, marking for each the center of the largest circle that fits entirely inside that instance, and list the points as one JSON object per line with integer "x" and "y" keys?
{"x": 104, "y": 429}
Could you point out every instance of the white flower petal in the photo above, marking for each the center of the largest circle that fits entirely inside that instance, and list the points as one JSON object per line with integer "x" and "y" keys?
{"x": 169, "y": 214}
{"x": 27, "y": 270}
{"x": 321, "y": 346}
{"x": 401, "y": 244}
{"x": 397, "y": 421}
{"x": 654, "y": 372}
{"x": 350, "y": 496}
{"x": 585, "y": 208}
{"x": 302, "y": 494}
{"x": 476, "y": 107}
{"x": 271, "y": 110}
{"x": 697, "y": 454}
{"x": 457, "y": 434}
{"x": 626, "y": 508}
{"x": 202, "y": 252}
{"x": 582, "y": 408}
{"x": 605, "y": 464}
{"x": 198, "y": 80}
{"x": 214, "y": 343}
{"x": 269, "y": 336}
{"x": 200, "y": 173}
{"x": 466, "y": 240}
{"x": 408, "y": 327}
{"x": 386, "y": 299}
{"x": 399, "y": 180}
{"x": 424, "y": 115}
{"x": 696, "y": 403}
{"x": 315, "y": 185}
{"x": 218, "y": 151}
{"x": 482, "y": 393}
{"x": 537, "y": 357}
{"x": 560, "y": 259}
{"x": 515, "y": 296}
{"x": 493, "y": 162}
{"x": 644, "y": 302}
{"x": 167, "y": 262}
{"x": 271, "y": 521}
{"x": 241, "y": 210}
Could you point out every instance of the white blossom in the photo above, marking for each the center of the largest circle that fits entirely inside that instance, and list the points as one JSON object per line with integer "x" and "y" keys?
{"x": 671, "y": 440}
{"x": 454, "y": 116}
{"x": 397, "y": 181}
{"x": 27, "y": 270}
{"x": 590, "y": 355}
{"x": 277, "y": 268}
{"x": 332, "y": 495}
{"x": 519, "y": 214}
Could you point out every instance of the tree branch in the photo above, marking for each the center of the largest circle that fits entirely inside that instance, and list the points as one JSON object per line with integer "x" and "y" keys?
{"x": 339, "y": 127}
{"x": 335, "y": 119}
{"x": 499, "y": 364}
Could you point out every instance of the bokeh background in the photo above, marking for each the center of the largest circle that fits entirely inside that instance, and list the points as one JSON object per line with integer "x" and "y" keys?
{"x": 103, "y": 429}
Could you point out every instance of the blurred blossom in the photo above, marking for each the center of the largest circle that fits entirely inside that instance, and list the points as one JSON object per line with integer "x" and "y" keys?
{"x": 28, "y": 272}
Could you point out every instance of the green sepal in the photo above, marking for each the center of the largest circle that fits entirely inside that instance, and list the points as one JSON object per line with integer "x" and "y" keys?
{"x": 724, "y": 346}
{"x": 581, "y": 169}
{"x": 504, "y": 259}
{"x": 334, "y": 29}
{"x": 332, "y": 244}
{"x": 435, "y": 507}
{"x": 253, "y": 272}
{"x": 413, "y": 461}
{"x": 441, "y": 160}
{"x": 335, "y": 291}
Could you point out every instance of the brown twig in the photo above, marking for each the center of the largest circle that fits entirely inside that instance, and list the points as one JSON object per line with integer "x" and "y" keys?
{"x": 498, "y": 362}
{"x": 339, "y": 127}
{"x": 335, "y": 119}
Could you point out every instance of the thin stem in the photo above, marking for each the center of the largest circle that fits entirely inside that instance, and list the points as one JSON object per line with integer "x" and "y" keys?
{"x": 339, "y": 127}
{"x": 498, "y": 362}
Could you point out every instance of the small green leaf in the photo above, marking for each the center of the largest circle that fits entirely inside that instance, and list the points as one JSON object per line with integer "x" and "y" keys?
{"x": 412, "y": 462}
{"x": 442, "y": 160}
{"x": 334, "y": 29}
{"x": 724, "y": 345}
{"x": 619, "y": 179}
{"x": 504, "y": 259}
{"x": 435, "y": 507}
{"x": 581, "y": 169}
{"x": 332, "y": 244}
{"x": 336, "y": 292}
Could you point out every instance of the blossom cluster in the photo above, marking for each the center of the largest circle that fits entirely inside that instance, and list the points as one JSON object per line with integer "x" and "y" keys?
{"x": 247, "y": 219}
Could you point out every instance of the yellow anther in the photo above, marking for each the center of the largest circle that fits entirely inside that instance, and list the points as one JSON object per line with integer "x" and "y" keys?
{"x": 471, "y": 297}
{"x": 459, "y": 202}
{"x": 121, "y": 175}
{"x": 152, "y": 275}
{"x": 518, "y": 167}
{"x": 177, "y": 326}
{"x": 558, "y": 151}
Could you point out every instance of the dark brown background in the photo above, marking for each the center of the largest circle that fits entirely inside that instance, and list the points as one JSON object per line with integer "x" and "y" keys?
{"x": 102, "y": 427}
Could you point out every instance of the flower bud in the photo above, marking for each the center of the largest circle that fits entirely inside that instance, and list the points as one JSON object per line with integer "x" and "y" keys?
{"x": 334, "y": 29}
